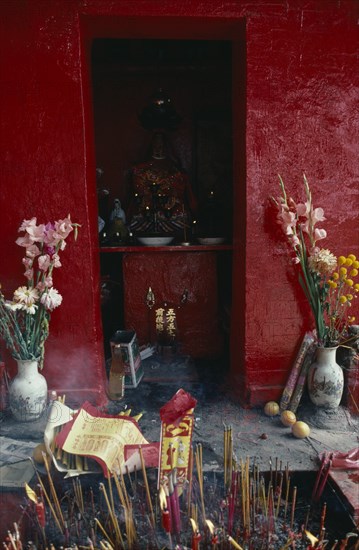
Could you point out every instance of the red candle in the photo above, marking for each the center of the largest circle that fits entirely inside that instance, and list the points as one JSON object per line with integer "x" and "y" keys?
{"x": 40, "y": 512}
{"x": 195, "y": 540}
{"x": 166, "y": 520}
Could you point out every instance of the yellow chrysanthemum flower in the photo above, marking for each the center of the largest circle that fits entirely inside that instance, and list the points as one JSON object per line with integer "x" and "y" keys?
{"x": 348, "y": 262}
{"x": 352, "y": 257}
{"x": 343, "y": 271}
{"x": 351, "y": 319}
{"x": 350, "y": 297}
{"x": 341, "y": 260}
{"x": 354, "y": 273}
{"x": 343, "y": 299}
{"x": 356, "y": 286}
{"x": 349, "y": 282}
{"x": 356, "y": 264}
{"x": 335, "y": 275}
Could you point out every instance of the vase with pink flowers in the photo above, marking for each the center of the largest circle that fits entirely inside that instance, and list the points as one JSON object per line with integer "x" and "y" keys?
{"x": 328, "y": 283}
{"x": 24, "y": 320}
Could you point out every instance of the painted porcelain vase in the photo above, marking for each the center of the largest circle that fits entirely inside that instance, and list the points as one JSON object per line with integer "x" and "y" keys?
{"x": 325, "y": 379}
{"x": 27, "y": 392}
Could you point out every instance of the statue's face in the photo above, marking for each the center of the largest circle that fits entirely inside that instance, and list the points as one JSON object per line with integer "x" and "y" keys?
{"x": 158, "y": 145}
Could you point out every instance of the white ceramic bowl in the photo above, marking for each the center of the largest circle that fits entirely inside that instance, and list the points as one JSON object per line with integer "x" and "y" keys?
{"x": 155, "y": 241}
{"x": 211, "y": 240}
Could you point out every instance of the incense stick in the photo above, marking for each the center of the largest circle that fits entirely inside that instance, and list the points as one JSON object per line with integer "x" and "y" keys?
{"x": 147, "y": 487}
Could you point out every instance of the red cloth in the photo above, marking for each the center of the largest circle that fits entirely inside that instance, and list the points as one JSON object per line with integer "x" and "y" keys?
{"x": 177, "y": 407}
{"x": 343, "y": 461}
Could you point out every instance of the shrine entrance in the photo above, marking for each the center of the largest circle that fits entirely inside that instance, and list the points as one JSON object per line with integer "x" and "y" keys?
{"x": 191, "y": 277}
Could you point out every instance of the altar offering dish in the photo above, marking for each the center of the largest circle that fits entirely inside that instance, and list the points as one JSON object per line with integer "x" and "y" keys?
{"x": 155, "y": 241}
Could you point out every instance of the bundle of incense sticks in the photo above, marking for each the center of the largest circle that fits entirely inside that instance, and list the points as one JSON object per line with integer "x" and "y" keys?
{"x": 255, "y": 510}
{"x": 308, "y": 340}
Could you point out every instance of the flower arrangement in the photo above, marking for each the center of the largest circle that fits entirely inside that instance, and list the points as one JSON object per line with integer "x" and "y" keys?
{"x": 24, "y": 321}
{"x": 327, "y": 281}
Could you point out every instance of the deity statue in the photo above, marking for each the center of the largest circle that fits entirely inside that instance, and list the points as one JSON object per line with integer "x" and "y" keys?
{"x": 118, "y": 221}
{"x": 162, "y": 197}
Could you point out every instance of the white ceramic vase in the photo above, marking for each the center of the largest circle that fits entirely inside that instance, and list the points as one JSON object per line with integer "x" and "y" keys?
{"x": 27, "y": 392}
{"x": 325, "y": 379}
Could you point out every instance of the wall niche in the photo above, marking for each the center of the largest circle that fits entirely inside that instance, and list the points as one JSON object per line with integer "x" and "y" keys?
{"x": 197, "y": 77}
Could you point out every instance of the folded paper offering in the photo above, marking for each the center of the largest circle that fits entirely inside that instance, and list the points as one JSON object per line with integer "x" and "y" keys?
{"x": 92, "y": 436}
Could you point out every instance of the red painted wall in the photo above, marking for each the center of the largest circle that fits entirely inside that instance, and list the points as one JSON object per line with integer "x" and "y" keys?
{"x": 300, "y": 115}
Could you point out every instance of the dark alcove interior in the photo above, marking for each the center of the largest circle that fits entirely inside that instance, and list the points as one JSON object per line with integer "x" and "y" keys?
{"x": 196, "y": 76}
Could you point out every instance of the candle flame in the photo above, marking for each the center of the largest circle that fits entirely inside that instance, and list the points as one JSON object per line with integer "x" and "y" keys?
{"x": 30, "y": 493}
{"x": 210, "y": 526}
{"x": 162, "y": 497}
{"x": 194, "y": 525}
{"x": 312, "y": 539}
{"x": 234, "y": 543}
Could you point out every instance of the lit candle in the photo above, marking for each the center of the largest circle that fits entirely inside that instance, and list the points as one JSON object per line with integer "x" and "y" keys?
{"x": 196, "y": 537}
{"x": 166, "y": 520}
{"x": 234, "y": 543}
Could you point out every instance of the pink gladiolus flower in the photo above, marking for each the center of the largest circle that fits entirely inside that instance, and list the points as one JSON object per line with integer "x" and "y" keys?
{"x": 27, "y": 223}
{"x": 303, "y": 209}
{"x": 56, "y": 260}
{"x": 320, "y": 234}
{"x": 29, "y": 274}
{"x": 287, "y": 220}
{"x": 43, "y": 285}
{"x": 32, "y": 251}
{"x": 294, "y": 240}
{"x": 51, "y": 299}
{"x": 24, "y": 241}
{"x": 27, "y": 262}
{"x": 318, "y": 215}
{"x": 44, "y": 262}
{"x": 64, "y": 227}
{"x": 51, "y": 238}
{"x": 36, "y": 232}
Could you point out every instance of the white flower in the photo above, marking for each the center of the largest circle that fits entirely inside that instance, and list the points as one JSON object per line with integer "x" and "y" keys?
{"x": 322, "y": 262}
{"x": 30, "y": 308}
{"x": 27, "y": 296}
{"x": 14, "y": 306}
{"x": 51, "y": 299}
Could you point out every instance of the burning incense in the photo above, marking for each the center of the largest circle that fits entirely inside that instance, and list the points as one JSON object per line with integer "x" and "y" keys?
{"x": 147, "y": 487}
{"x": 53, "y": 490}
{"x": 112, "y": 514}
{"x": 286, "y": 498}
{"x": 190, "y": 480}
{"x": 279, "y": 493}
{"x": 199, "y": 465}
{"x": 294, "y": 501}
{"x": 44, "y": 492}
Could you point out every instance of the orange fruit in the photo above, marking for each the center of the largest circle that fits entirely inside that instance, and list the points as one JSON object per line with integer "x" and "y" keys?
{"x": 300, "y": 429}
{"x": 271, "y": 408}
{"x": 288, "y": 418}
